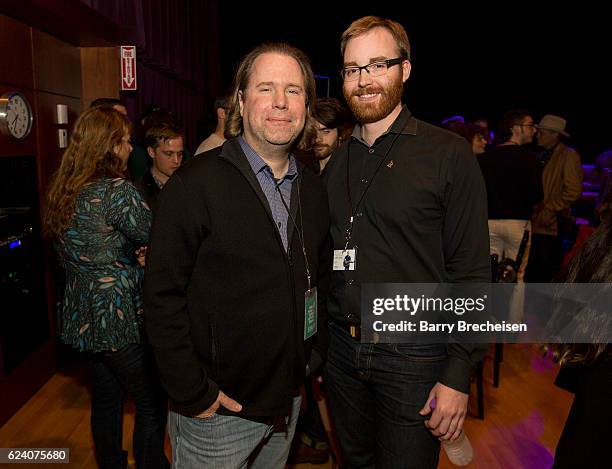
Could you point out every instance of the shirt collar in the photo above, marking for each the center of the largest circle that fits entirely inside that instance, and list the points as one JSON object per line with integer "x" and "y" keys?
{"x": 258, "y": 164}
{"x": 405, "y": 124}
{"x": 157, "y": 182}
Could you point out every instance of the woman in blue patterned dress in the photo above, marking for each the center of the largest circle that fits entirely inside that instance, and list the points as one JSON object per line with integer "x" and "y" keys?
{"x": 98, "y": 220}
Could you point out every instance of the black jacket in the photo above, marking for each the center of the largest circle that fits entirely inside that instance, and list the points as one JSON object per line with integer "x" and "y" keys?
{"x": 149, "y": 189}
{"x": 513, "y": 177}
{"x": 224, "y": 302}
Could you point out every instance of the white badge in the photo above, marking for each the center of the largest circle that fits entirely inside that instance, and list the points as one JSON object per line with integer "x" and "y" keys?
{"x": 345, "y": 259}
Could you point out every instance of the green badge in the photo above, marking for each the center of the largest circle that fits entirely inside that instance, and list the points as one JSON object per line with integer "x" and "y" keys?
{"x": 310, "y": 313}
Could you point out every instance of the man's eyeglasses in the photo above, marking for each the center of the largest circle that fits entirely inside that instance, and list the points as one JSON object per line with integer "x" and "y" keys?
{"x": 375, "y": 69}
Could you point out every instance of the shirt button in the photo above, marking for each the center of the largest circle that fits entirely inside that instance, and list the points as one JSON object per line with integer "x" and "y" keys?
{"x": 350, "y": 281}
{"x": 364, "y": 181}
{"x": 371, "y": 150}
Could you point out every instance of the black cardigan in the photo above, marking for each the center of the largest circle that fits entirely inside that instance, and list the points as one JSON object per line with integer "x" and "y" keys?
{"x": 149, "y": 189}
{"x": 224, "y": 302}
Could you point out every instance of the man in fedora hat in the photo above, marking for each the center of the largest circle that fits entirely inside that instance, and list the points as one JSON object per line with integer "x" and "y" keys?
{"x": 562, "y": 185}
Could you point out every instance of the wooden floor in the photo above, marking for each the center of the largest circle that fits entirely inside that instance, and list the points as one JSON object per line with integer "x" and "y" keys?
{"x": 523, "y": 421}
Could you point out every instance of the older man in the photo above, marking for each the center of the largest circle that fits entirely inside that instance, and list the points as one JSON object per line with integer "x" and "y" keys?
{"x": 562, "y": 184}
{"x": 232, "y": 273}
{"x": 408, "y": 204}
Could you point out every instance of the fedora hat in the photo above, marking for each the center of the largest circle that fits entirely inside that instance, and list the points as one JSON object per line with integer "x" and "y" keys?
{"x": 554, "y": 123}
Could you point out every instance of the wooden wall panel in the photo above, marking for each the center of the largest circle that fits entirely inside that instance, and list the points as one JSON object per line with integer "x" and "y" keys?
{"x": 57, "y": 65}
{"x": 49, "y": 154}
{"x": 16, "y": 53}
{"x": 100, "y": 73}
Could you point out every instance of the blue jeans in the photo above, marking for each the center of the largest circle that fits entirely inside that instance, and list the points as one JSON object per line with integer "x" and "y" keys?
{"x": 375, "y": 394}
{"x": 230, "y": 442}
{"x": 130, "y": 369}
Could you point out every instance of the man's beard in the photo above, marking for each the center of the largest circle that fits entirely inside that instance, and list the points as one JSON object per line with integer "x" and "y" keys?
{"x": 323, "y": 151}
{"x": 372, "y": 112}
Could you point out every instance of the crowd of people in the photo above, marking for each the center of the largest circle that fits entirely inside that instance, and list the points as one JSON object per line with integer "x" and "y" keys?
{"x": 248, "y": 294}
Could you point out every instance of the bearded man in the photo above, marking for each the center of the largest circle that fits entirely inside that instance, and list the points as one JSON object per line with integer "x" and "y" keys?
{"x": 408, "y": 204}
{"x": 334, "y": 124}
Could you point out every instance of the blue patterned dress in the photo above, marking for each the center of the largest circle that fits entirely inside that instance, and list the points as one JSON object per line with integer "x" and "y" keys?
{"x": 102, "y": 308}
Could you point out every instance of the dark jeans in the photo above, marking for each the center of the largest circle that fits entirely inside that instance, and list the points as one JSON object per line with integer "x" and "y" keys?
{"x": 376, "y": 392}
{"x": 130, "y": 370}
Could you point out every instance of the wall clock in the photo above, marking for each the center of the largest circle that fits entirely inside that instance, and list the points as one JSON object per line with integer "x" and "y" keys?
{"x": 16, "y": 116}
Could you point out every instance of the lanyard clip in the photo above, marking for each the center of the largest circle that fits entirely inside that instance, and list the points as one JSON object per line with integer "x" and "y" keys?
{"x": 348, "y": 232}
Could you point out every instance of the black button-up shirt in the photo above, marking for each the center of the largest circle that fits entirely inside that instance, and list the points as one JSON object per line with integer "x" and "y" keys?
{"x": 423, "y": 218}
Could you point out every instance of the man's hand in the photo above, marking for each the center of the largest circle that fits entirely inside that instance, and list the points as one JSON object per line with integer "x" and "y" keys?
{"x": 222, "y": 400}
{"x": 446, "y": 421}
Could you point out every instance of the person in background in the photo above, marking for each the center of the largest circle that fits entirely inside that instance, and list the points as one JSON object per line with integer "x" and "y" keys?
{"x": 484, "y": 123}
{"x": 586, "y": 369}
{"x": 165, "y": 147}
{"x": 475, "y": 135}
{"x": 139, "y": 161}
{"x": 97, "y": 221}
{"x": 514, "y": 185}
{"x": 115, "y": 103}
{"x": 334, "y": 124}
{"x": 217, "y": 138}
{"x": 562, "y": 184}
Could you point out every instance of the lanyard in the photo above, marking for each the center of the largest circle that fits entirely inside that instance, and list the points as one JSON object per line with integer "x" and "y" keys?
{"x": 298, "y": 229}
{"x": 353, "y": 210}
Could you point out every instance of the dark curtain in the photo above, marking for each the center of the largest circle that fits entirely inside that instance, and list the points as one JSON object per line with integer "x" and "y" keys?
{"x": 178, "y": 56}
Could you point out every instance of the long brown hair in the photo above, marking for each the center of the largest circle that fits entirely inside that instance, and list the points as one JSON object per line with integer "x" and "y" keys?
{"x": 233, "y": 125}
{"x": 89, "y": 156}
{"x": 591, "y": 264}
